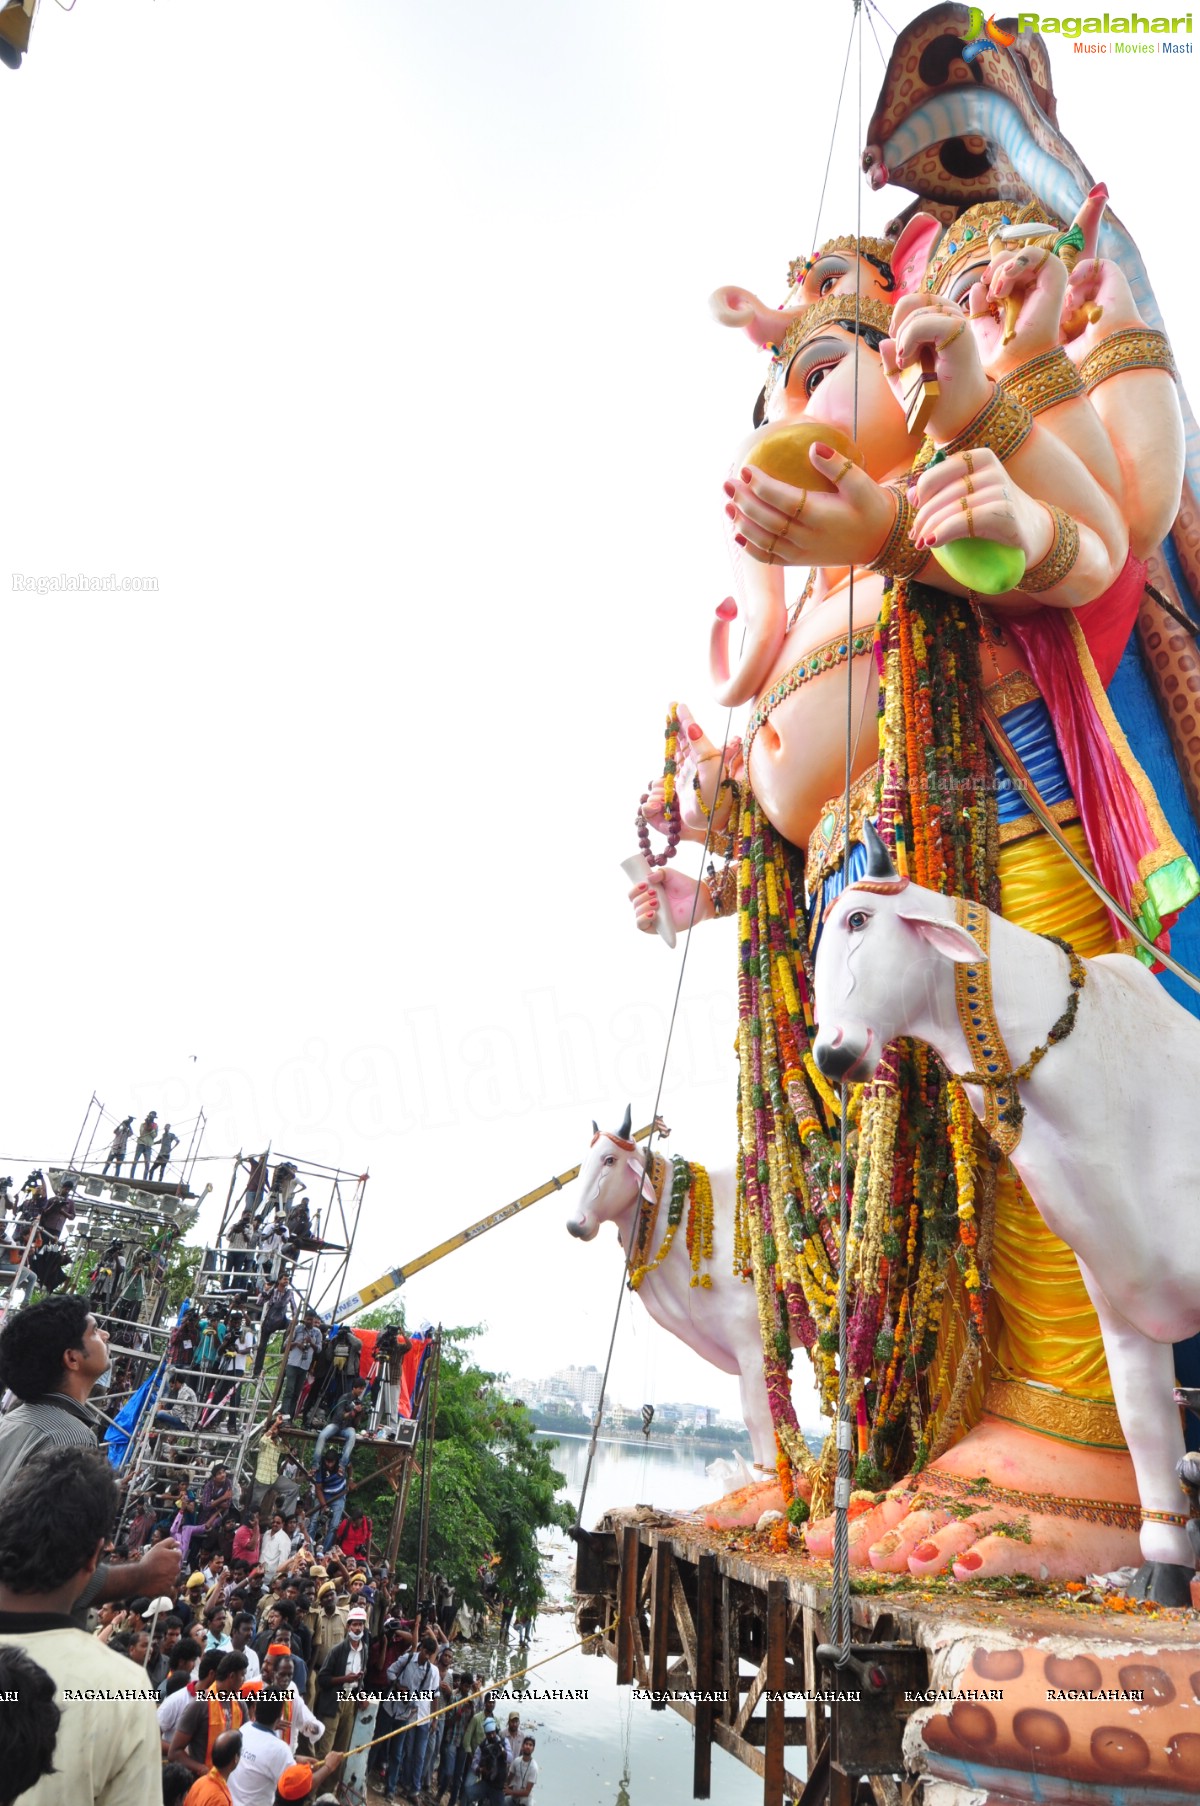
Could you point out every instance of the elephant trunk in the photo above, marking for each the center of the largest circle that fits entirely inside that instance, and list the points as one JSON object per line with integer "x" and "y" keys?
{"x": 738, "y": 307}
{"x": 766, "y": 629}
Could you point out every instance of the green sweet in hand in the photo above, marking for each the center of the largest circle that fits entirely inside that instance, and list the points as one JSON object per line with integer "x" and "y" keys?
{"x": 981, "y": 565}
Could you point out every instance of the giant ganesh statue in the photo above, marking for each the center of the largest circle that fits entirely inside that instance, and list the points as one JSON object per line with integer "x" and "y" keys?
{"x": 985, "y": 382}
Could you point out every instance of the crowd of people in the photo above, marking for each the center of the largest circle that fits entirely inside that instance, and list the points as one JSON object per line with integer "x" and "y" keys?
{"x": 211, "y": 1649}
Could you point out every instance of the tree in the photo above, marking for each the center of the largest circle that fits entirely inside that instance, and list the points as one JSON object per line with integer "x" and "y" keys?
{"x": 183, "y": 1264}
{"x": 491, "y": 1483}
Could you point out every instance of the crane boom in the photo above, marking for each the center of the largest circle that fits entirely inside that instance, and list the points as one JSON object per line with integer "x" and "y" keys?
{"x": 395, "y": 1278}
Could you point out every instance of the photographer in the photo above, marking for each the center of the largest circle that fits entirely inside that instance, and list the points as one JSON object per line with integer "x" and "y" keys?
{"x": 416, "y": 1687}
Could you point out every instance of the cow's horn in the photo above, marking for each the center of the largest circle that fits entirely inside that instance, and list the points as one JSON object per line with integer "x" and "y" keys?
{"x": 626, "y": 1124}
{"x": 879, "y": 860}
{"x": 595, "y": 1126}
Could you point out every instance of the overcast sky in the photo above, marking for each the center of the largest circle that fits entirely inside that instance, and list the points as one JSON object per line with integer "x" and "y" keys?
{"x": 377, "y": 334}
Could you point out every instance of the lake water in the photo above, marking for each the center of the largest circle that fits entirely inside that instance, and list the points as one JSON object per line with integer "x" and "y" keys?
{"x": 609, "y": 1750}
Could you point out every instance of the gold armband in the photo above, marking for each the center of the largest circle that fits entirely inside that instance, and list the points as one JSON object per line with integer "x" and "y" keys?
{"x": 898, "y": 556}
{"x": 1002, "y": 425}
{"x": 1133, "y": 348}
{"x": 1057, "y": 563}
{"x": 1044, "y": 381}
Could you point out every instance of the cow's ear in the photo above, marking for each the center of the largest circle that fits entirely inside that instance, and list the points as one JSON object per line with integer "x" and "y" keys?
{"x": 638, "y": 1171}
{"x": 946, "y": 938}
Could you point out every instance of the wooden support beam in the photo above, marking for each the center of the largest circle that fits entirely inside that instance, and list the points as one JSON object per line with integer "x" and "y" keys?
{"x": 775, "y": 1668}
{"x": 683, "y": 1619}
{"x": 705, "y": 1674}
{"x": 661, "y": 1567}
{"x": 816, "y": 1788}
{"x": 729, "y": 1652}
{"x": 815, "y": 1731}
{"x": 627, "y": 1605}
{"x": 754, "y": 1693}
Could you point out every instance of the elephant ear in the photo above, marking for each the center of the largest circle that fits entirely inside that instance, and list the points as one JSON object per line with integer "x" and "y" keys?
{"x": 914, "y": 248}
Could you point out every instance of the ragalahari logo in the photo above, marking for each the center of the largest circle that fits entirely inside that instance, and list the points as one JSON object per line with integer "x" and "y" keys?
{"x": 984, "y": 34}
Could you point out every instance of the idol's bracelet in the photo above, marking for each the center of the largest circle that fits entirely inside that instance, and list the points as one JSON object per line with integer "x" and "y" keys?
{"x": 1059, "y": 560}
{"x": 1002, "y": 425}
{"x": 1044, "y": 381}
{"x": 1133, "y": 348}
{"x": 898, "y": 556}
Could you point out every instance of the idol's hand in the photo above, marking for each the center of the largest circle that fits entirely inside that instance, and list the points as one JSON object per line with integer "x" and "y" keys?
{"x": 678, "y": 892}
{"x": 933, "y": 323}
{"x": 971, "y": 496}
{"x": 1096, "y": 283}
{"x": 1019, "y": 299}
{"x": 778, "y": 524}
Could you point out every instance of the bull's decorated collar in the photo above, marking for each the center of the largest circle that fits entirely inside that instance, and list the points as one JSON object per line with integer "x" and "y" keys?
{"x": 994, "y": 1072}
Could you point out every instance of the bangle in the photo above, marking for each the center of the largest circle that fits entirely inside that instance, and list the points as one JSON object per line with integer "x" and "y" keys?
{"x": 1002, "y": 425}
{"x": 898, "y": 556}
{"x": 1044, "y": 381}
{"x": 1064, "y": 550}
{"x": 1133, "y": 348}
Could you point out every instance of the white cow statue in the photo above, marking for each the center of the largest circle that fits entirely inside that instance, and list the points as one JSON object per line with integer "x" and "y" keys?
{"x": 1107, "y": 1146}
{"x": 720, "y": 1321}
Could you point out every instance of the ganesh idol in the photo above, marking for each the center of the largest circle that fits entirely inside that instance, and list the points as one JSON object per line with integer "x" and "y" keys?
{"x": 977, "y": 1356}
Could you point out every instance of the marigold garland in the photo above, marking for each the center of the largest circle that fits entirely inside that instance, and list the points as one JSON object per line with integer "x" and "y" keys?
{"x": 916, "y": 1201}
{"x": 690, "y": 1186}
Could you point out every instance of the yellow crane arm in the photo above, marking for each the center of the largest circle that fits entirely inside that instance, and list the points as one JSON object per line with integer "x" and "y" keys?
{"x": 391, "y": 1281}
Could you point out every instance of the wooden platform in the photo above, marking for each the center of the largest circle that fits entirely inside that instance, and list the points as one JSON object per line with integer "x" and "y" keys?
{"x": 689, "y": 1611}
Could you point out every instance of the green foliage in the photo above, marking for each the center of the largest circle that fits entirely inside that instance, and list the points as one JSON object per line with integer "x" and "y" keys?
{"x": 797, "y": 1512}
{"x": 183, "y": 1265}
{"x": 492, "y": 1483}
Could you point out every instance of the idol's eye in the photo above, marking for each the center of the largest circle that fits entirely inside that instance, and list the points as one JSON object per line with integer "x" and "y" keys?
{"x": 856, "y": 920}
{"x": 825, "y": 275}
{"x": 812, "y": 364}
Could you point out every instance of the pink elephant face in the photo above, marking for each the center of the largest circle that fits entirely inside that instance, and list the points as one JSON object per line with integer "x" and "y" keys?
{"x": 820, "y": 386}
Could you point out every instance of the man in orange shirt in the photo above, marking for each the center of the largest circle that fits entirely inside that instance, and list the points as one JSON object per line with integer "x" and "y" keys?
{"x": 212, "y": 1789}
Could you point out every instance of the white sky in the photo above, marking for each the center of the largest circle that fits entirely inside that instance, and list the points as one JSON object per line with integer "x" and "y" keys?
{"x": 377, "y": 333}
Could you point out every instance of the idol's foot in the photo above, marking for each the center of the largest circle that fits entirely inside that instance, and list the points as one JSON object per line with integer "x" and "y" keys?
{"x": 742, "y": 1509}
{"x": 973, "y": 1513}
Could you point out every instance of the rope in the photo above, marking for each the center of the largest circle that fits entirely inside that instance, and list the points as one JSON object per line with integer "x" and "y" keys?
{"x": 833, "y": 134}
{"x": 840, "y": 1601}
{"x": 489, "y": 1687}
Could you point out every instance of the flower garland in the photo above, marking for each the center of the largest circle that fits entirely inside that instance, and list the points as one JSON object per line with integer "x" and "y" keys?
{"x": 918, "y": 1206}
{"x": 690, "y": 1186}
{"x": 920, "y": 1200}
{"x": 672, "y": 814}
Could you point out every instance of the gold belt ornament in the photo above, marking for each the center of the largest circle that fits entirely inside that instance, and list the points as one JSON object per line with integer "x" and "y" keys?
{"x": 1090, "y": 1422}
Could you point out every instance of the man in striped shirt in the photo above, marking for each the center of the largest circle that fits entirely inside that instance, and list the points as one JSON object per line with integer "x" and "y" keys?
{"x": 51, "y": 1355}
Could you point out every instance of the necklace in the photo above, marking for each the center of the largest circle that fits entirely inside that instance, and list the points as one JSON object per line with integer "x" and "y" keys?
{"x": 994, "y": 1072}
{"x": 689, "y": 1185}
{"x": 814, "y": 664}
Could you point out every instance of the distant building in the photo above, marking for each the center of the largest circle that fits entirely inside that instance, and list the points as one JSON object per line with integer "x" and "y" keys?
{"x": 583, "y": 1384}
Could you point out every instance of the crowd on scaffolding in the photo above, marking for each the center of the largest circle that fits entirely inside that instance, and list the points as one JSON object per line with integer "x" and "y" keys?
{"x": 225, "y": 1645}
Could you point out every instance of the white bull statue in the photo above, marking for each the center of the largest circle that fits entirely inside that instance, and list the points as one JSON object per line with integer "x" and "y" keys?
{"x": 1106, "y": 1144}
{"x": 720, "y": 1320}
